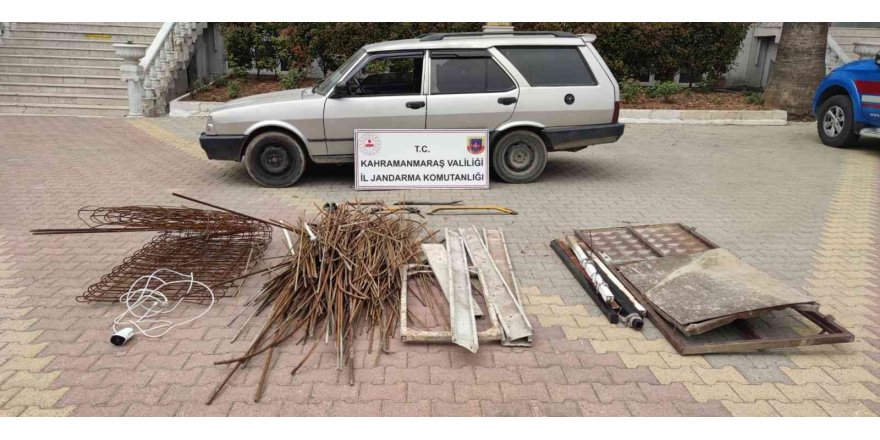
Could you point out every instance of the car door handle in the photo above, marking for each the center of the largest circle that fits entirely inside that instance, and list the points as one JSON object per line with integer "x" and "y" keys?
{"x": 415, "y": 105}
{"x": 506, "y": 101}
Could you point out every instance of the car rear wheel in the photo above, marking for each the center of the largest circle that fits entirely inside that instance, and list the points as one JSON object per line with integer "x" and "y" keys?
{"x": 835, "y": 122}
{"x": 275, "y": 159}
{"x": 519, "y": 157}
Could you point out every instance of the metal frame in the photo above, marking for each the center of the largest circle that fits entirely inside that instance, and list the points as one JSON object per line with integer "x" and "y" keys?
{"x": 831, "y": 332}
{"x": 410, "y": 335}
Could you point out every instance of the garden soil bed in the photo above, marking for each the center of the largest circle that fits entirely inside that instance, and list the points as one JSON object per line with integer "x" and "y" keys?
{"x": 696, "y": 100}
{"x": 252, "y": 85}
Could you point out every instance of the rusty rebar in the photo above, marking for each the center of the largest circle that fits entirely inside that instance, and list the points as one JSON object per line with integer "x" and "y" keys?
{"x": 343, "y": 281}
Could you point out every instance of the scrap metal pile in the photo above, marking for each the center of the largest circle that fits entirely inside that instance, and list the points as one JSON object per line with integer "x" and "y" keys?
{"x": 344, "y": 277}
{"x": 338, "y": 283}
{"x": 703, "y": 298}
{"x": 213, "y": 246}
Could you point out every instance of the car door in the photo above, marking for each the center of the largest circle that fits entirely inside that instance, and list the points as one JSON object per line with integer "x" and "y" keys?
{"x": 383, "y": 92}
{"x": 565, "y": 85}
{"x": 868, "y": 86}
{"x": 468, "y": 89}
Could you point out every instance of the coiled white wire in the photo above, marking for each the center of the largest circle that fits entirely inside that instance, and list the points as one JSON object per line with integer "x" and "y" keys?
{"x": 145, "y": 303}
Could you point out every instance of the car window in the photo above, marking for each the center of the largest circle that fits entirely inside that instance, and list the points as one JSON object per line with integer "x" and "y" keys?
{"x": 468, "y": 75}
{"x": 392, "y": 75}
{"x": 325, "y": 85}
{"x": 550, "y": 66}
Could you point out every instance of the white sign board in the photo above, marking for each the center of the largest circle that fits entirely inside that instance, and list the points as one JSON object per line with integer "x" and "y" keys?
{"x": 402, "y": 159}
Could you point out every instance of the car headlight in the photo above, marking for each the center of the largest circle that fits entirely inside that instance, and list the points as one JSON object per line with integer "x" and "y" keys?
{"x": 209, "y": 127}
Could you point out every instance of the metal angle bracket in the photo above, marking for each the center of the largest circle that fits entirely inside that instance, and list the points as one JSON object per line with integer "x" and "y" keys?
{"x": 436, "y": 253}
{"x": 509, "y": 310}
{"x": 461, "y": 311}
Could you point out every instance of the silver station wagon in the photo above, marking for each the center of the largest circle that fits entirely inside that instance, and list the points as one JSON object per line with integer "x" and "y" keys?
{"x": 535, "y": 92}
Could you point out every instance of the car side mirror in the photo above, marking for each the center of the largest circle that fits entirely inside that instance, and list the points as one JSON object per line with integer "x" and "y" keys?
{"x": 340, "y": 90}
{"x": 877, "y": 59}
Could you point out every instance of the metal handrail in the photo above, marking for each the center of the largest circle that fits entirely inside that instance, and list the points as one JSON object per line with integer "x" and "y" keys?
{"x": 157, "y": 45}
{"x": 837, "y": 50}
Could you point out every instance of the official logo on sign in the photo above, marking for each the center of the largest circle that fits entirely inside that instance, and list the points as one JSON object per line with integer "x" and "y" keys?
{"x": 475, "y": 145}
{"x": 368, "y": 144}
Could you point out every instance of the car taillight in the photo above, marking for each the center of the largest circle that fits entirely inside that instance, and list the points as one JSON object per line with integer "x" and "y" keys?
{"x": 616, "y": 114}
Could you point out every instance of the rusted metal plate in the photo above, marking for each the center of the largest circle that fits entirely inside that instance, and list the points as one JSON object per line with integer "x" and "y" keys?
{"x": 690, "y": 289}
{"x": 638, "y": 243}
{"x": 461, "y": 311}
{"x": 792, "y": 327}
{"x": 510, "y": 313}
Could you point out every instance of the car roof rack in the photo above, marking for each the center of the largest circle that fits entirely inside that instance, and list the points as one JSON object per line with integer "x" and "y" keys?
{"x": 441, "y": 35}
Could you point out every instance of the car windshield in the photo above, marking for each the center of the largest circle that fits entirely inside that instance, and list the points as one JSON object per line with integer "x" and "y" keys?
{"x": 334, "y": 77}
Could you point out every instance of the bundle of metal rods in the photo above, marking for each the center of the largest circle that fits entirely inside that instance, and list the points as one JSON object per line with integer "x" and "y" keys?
{"x": 340, "y": 282}
{"x": 214, "y": 246}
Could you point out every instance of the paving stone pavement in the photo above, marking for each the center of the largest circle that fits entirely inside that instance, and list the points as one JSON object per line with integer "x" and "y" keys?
{"x": 806, "y": 213}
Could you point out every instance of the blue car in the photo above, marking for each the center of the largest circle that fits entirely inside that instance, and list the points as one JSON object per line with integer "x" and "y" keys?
{"x": 847, "y": 103}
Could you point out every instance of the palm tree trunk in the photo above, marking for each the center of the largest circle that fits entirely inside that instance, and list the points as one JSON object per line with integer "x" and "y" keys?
{"x": 799, "y": 67}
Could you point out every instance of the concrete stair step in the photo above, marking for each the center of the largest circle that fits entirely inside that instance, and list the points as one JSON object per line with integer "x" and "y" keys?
{"x": 60, "y": 60}
{"x": 62, "y": 109}
{"x": 88, "y": 27}
{"x": 59, "y": 78}
{"x": 57, "y": 51}
{"x": 118, "y": 37}
{"x": 54, "y": 98}
{"x": 59, "y": 42}
{"x": 67, "y": 89}
{"x": 60, "y": 69}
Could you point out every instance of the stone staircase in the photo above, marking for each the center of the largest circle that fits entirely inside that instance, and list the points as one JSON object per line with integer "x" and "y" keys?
{"x": 66, "y": 68}
{"x": 845, "y": 37}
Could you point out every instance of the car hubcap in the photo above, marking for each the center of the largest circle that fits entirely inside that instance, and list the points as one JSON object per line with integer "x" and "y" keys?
{"x": 832, "y": 122}
{"x": 274, "y": 159}
{"x": 520, "y": 156}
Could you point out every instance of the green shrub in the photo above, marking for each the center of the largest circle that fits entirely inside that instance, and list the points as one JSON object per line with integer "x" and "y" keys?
{"x": 630, "y": 90}
{"x": 219, "y": 80}
{"x": 665, "y": 90}
{"x": 239, "y": 40}
{"x": 755, "y": 98}
{"x": 708, "y": 82}
{"x": 292, "y": 78}
{"x": 199, "y": 86}
{"x": 265, "y": 46}
{"x": 238, "y": 72}
{"x": 234, "y": 89}
{"x": 633, "y": 50}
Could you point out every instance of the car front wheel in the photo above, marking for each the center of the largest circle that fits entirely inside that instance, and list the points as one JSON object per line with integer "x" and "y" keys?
{"x": 519, "y": 157}
{"x": 835, "y": 122}
{"x": 275, "y": 159}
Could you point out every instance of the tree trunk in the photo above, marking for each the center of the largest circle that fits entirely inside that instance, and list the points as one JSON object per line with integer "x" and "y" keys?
{"x": 799, "y": 67}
